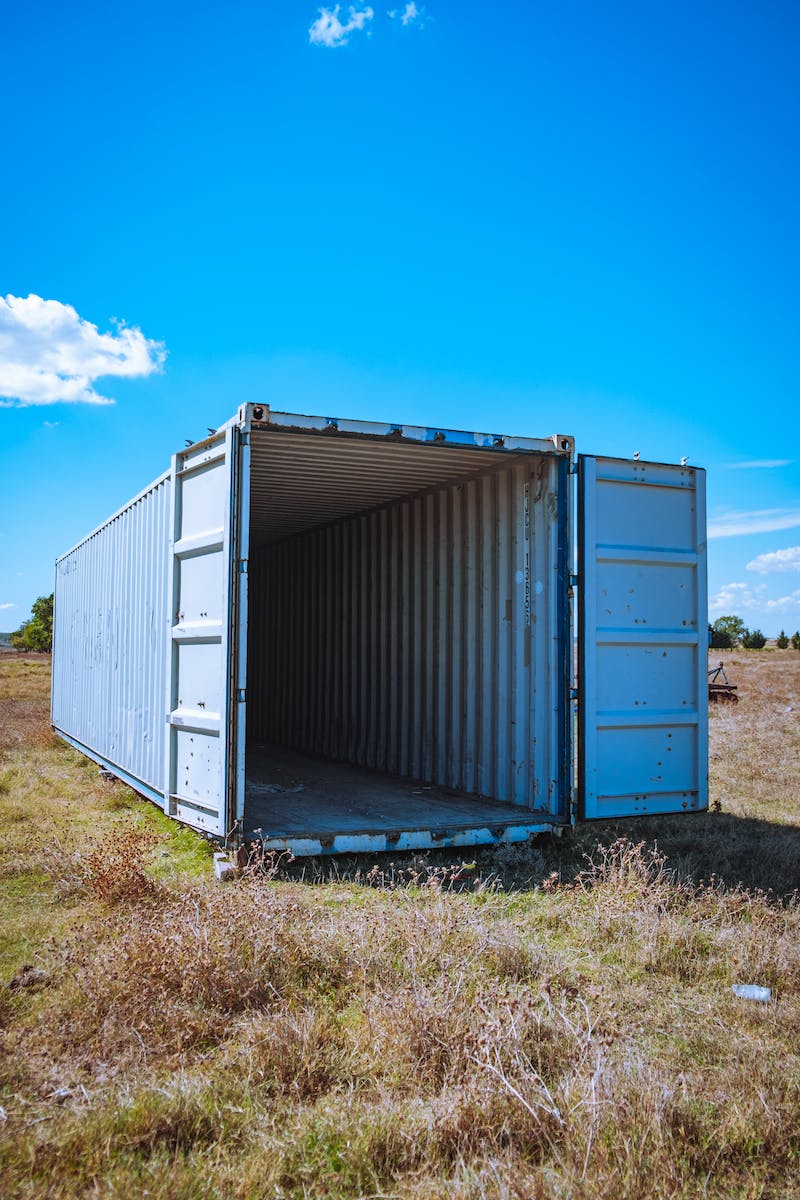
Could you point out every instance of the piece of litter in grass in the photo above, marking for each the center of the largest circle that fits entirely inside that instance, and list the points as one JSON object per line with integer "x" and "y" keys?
{"x": 752, "y": 991}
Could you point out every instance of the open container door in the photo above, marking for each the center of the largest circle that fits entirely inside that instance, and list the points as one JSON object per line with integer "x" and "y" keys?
{"x": 642, "y": 706}
{"x": 203, "y": 684}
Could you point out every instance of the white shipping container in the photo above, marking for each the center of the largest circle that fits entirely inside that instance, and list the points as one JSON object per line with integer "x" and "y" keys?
{"x": 352, "y": 636}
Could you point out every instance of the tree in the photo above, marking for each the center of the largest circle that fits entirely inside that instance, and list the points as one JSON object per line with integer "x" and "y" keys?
{"x": 753, "y": 639}
{"x": 726, "y": 632}
{"x": 36, "y": 634}
{"x": 782, "y": 641}
{"x": 796, "y": 640}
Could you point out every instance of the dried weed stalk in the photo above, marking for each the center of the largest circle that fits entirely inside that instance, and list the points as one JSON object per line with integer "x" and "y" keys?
{"x": 116, "y": 866}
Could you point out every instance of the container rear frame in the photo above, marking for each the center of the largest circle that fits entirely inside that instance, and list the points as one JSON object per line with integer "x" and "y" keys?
{"x": 554, "y": 645}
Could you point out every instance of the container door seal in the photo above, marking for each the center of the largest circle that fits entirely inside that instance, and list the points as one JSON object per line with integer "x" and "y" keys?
{"x": 642, "y": 641}
{"x": 201, "y": 716}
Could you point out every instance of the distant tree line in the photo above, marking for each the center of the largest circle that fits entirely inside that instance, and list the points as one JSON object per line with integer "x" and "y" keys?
{"x": 729, "y": 632}
{"x": 37, "y": 633}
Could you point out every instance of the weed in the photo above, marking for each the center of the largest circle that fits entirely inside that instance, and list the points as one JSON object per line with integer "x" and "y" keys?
{"x": 115, "y": 866}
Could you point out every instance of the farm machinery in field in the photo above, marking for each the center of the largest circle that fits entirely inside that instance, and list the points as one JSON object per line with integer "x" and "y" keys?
{"x": 720, "y": 690}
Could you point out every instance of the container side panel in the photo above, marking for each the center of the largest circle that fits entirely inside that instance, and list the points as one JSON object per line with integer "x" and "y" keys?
{"x": 643, "y": 707}
{"x": 421, "y": 639}
{"x": 109, "y": 666}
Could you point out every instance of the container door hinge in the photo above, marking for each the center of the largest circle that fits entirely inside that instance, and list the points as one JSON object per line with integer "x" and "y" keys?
{"x": 573, "y": 581}
{"x": 240, "y": 695}
{"x": 242, "y": 566}
{"x": 573, "y": 693}
{"x": 573, "y": 468}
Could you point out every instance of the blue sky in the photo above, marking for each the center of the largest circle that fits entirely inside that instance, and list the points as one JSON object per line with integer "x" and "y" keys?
{"x": 529, "y": 218}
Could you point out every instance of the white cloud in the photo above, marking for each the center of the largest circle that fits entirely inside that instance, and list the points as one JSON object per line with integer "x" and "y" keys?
{"x": 776, "y": 561}
{"x": 409, "y": 15}
{"x": 758, "y": 463}
{"x": 744, "y": 597}
{"x": 5, "y": 606}
{"x": 50, "y": 354}
{"x": 765, "y": 520}
{"x": 329, "y": 31}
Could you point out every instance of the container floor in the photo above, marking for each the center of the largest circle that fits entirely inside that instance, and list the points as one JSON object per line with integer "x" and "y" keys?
{"x": 289, "y": 794}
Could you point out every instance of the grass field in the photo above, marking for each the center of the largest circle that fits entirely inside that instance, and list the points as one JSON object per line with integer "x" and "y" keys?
{"x": 557, "y": 1021}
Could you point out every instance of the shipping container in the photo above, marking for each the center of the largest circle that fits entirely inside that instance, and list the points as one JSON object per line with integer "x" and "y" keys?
{"x": 346, "y": 636}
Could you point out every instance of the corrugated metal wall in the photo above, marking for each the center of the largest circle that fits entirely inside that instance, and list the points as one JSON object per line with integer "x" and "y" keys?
{"x": 422, "y": 638}
{"x": 110, "y": 644}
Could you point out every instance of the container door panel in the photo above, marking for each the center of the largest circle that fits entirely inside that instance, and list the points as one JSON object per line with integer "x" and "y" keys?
{"x": 198, "y": 766}
{"x": 643, "y": 710}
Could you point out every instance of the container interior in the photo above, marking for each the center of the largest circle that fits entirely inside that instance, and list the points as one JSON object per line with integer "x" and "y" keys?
{"x": 406, "y": 636}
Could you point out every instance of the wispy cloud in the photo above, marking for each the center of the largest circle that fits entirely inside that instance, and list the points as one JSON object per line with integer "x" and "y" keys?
{"x": 3, "y": 607}
{"x": 776, "y": 561}
{"x": 329, "y": 30}
{"x": 411, "y": 14}
{"x": 756, "y": 464}
{"x": 765, "y": 520}
{"x": 48, "y": 353}
{"x": 741, "y": 598}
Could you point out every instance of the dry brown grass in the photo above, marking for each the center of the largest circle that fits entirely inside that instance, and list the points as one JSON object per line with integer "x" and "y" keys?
{"x": 23, "y": 703}
{"x": 577, "y": 1037}
{"x": 755, "y": 751}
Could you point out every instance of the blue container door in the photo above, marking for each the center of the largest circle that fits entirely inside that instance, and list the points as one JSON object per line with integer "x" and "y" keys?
{"x": 642, "y": 683}
{"x": 202, "y": 691}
